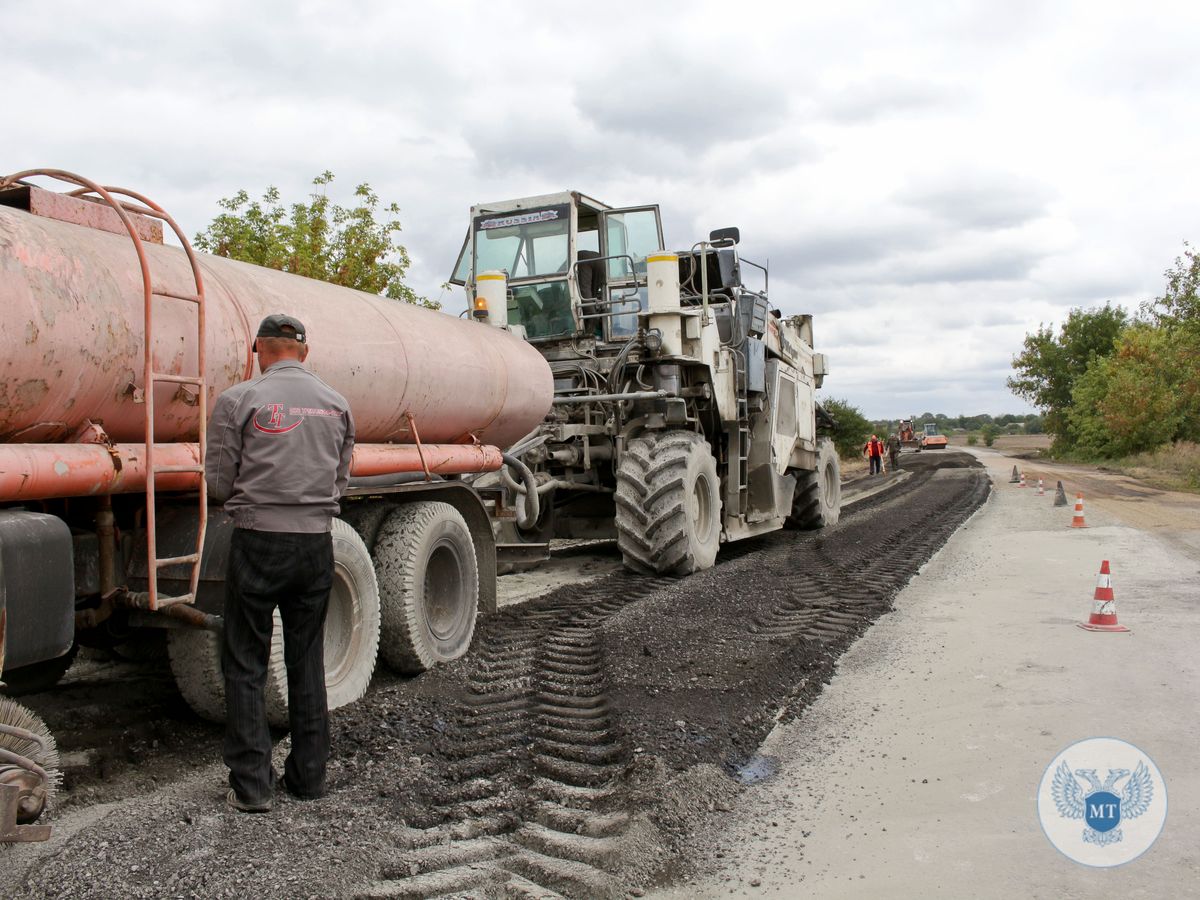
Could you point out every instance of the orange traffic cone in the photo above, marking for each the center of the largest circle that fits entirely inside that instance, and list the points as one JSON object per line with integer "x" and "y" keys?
{"x": 1104, "y": 605}
{"x": 1041, "y": 488}
{"x": 1077, "y": 521}
{"x": 1022, "y": 484}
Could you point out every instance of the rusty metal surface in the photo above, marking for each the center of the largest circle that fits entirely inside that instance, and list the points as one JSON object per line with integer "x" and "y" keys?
{"x": 28, "y": 772}
{"x": 10, "y": 831}
{"x": 77, "y": 210}
{"x": 48, "y": 471}
{"x": 71, "y": 345}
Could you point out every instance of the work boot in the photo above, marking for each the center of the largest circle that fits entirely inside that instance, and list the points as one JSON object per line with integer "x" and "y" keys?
{"x": 281, "y": 784}
{"x": 233, "y": 801}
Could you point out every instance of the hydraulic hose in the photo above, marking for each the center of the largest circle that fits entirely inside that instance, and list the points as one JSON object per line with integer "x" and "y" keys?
{"x": 531, "y": 509}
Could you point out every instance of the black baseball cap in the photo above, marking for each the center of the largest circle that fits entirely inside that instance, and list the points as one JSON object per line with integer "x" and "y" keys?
{"x": 279, "y": 326}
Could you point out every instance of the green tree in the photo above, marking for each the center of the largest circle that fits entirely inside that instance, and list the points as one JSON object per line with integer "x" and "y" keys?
{"x": 989, "y": 432}
{"x": 1143, "y": 396}
{"x": 348, "y": 246}
{"x": 852, "y": 430}
{"x": 1180, "y": 302}
{"x": 1049, "y": 364}
{"x": 1178, "y": 312}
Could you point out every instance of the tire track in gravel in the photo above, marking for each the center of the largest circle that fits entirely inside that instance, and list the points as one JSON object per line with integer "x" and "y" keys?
{"x": 535, "y": 757}
{"x": 831, "y": 597}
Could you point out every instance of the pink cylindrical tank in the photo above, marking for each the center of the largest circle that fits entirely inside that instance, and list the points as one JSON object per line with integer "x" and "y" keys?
{"x": 71, "y": 345}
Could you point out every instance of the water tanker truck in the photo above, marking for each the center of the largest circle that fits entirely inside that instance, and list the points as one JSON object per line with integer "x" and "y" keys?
{"x": 684, "y": 410}
{"x": 112, "y": 347}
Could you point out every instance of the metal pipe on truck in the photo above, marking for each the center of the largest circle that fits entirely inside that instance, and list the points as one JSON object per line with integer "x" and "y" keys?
{"x": 49, "y": 471}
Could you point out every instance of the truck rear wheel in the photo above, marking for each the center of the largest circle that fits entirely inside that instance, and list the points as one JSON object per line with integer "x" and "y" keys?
{"x": 38, "y": 677}
{"x": 817, "y": 502}
{"x": 668, "y": 504}
{"x": 429, "y": 580}
{"x": 351, "y": 642}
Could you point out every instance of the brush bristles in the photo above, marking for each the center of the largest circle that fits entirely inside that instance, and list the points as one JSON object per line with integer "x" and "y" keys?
{"x": 18, "y": 716}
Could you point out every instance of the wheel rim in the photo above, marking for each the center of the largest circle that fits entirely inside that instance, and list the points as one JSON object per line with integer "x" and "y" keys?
{"x": 701, "y": 509}
{"x": 444, "y": 588}
{"x": 343, "y": 631}
{"x": 828, "y": 485}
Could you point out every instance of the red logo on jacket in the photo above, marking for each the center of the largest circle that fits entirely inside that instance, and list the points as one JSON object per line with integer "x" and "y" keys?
{"x": 275, "y": 417}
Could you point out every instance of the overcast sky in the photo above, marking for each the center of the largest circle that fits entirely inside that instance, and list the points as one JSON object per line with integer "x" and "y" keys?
{"x": 930, "y": 180}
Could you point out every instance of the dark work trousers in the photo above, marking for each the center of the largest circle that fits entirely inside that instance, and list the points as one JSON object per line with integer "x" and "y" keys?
{"x": 294, "y": 572}
{"x": 876, "y": 464}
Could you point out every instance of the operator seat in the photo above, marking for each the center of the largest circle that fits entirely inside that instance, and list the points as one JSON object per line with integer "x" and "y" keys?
{"x": 591, "y": 275}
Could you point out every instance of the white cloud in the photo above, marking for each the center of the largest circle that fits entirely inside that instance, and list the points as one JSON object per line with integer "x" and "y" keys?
{"x": 933, "y": 183}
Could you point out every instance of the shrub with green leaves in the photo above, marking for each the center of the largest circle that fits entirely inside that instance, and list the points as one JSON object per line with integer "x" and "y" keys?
{"x": 853, "y": 428}
{"x": 321, "y": 239}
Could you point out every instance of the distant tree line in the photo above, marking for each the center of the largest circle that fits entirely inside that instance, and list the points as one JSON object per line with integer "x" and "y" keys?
{"x": 1111, "y": 384}
{"x": 853, "y": 429}
{"x": 1030, "y": 423}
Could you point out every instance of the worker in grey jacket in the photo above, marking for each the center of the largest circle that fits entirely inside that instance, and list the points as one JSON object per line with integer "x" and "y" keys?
{"x": 278, "y": 457}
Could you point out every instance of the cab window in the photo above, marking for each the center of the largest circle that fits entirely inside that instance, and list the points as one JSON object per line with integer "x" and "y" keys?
{"x": 631, "y": 235}
{"x": 525, "y": 244}
{"x": 543, "y": 309}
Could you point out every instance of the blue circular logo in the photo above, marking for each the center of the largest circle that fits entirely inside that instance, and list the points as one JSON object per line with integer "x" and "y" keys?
{"x": 1102, "y": 802}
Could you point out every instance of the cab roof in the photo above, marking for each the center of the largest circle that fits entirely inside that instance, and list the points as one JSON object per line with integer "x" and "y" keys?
{"x": 571, "y": 197}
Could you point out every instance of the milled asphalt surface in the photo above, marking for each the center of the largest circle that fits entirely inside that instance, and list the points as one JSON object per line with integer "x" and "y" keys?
{"x": 915, "y": 773}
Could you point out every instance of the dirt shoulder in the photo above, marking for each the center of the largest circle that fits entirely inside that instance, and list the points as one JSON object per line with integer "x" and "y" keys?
{"x": 915, "y": 773}
{"x": 1172, "y": 515}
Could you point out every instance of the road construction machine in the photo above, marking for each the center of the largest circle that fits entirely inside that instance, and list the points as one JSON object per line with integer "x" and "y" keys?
{"x": 112, "y": 347}
{"x": 933, "y": 439}
{"x": 684, "y": 411}
{"x": 911, "y": 440}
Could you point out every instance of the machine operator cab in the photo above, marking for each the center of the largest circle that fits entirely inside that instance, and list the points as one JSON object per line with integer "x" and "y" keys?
{"x": 573, "y": 264}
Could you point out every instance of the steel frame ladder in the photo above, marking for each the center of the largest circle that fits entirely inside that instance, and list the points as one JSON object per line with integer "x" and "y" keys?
{"x": 143, "y": 206}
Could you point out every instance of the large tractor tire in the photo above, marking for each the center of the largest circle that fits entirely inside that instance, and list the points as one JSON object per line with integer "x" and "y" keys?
{"x": 429, "y": 580}
{"x": 817, "y": 502}
{"x": 668, "y": 504}
{"x": 351, "y": 642}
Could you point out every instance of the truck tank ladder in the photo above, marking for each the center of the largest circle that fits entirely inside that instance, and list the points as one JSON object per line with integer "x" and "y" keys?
{"x": 124, "y": 202}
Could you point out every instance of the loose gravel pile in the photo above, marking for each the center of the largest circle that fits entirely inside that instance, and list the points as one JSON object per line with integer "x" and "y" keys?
{"x": 584, "y": 737}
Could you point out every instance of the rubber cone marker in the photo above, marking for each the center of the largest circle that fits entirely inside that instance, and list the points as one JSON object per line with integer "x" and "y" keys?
{"x": 1104, "y": 605}
{"x": 1041, "y": 488}
{"x": 1022, "y": 484}
{"x": 1077, "y": 521}
{"x": 1015, "y": 477}
{"x": 1060, "y": 496}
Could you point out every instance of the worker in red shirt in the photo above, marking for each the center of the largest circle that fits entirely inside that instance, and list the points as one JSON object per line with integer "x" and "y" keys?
{"x": 873, "y": 450}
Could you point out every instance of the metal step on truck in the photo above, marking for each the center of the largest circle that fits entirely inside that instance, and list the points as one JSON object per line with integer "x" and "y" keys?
{"x": 684, "y": 411}
{"x": 112, "y": 347}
